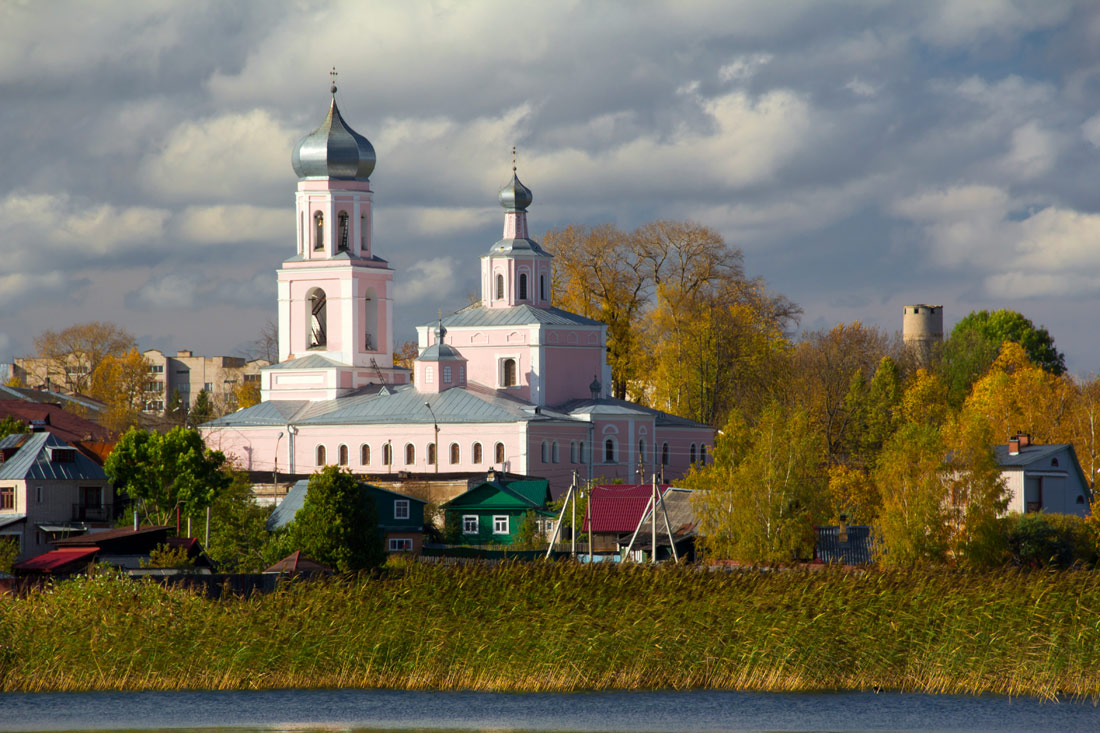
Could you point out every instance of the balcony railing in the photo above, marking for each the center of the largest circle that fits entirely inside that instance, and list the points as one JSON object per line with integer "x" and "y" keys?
{"x": 83, "y": 513}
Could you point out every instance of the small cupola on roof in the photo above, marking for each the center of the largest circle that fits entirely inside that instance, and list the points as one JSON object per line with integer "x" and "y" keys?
{"x": 334, "y": 150}
{"x": 440, "y": 366}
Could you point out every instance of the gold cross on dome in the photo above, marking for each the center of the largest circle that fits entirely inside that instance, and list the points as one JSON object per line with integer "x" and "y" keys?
{"x": 513, "y": 158}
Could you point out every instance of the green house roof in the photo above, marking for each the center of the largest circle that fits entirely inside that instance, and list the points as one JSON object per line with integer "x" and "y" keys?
{"x": 498, "y": 496}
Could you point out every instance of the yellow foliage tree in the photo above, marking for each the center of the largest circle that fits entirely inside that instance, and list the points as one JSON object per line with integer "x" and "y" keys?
{"x": 121, "y": 382}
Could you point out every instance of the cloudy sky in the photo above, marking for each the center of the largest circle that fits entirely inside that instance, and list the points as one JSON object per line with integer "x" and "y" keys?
{"x": 864, "y": 155}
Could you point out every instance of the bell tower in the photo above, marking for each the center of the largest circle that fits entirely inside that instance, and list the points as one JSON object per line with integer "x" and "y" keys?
{"x": 335, "y": 294}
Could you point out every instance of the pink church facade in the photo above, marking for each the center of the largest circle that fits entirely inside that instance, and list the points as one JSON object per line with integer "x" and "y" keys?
{"x": 510, "y": 383}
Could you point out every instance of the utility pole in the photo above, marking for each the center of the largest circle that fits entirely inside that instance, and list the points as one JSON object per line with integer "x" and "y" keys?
{"x": 435, "y": 424}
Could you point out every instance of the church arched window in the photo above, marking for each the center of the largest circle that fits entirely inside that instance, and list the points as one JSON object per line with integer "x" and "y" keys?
{"x": 545, "y": 452}
{"x": 454, "y": 453}
{"x": 664, "y": 454}
{"x": 691, "y": 454}
{"x": 343, "y": 455}
{"x": 580, "y": 452}
{"x": 542, "y": 287}
{"x": 641, "y": 450}
{"x": 431, "y": 454}
{"x": 364, "y": 455}
{"x": 703, "y": 454}
{"x": 342, "y": 232}
{"x": 387, "y": 454}
{"x": 523, "y": 286}
{"x": 554, "y": 451}
{"x": 363, "y": 233}
{"x": 410, "y": 454}
{"x": 500, "y": 286}
{"x": 499, "y": 453}
{"x": 572, "y": 451}
{"x": 477, "y": 452}
{"x": 318, "y": 230}
{"x": 320, "y": 455}
{"x": 609, "y": 450}
{"x": 318, "y": 317}
{"x": 508, "y": 378}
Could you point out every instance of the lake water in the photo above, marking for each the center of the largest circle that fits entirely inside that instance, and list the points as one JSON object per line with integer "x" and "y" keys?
{"x": 605, "y": 711}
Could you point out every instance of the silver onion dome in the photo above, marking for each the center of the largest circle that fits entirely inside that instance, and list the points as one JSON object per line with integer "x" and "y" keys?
{"x": 515, "y": 196}
{"x": 333, "y": 150}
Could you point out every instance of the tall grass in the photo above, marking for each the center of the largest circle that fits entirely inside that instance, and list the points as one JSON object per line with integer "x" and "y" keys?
{"x": 536, "y": 627}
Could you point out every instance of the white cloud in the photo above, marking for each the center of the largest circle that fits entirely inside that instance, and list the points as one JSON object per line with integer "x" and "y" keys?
{"x": 1033, "y": 152}
{"x": 221, "y": 157}
{"x": 169, "y": 292}
{"x": 963, "y": 22}
{"x": 744, "y": 67}
{"x": 242, "y": 223}
{"x": 859, "y": 87}
{"x": 1090, "y": 130}
{"x": 22, "y": 289}
{"x": 431, "y": 280}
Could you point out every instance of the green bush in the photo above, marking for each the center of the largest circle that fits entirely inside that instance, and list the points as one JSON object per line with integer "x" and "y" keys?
{"x": 1037, "y": 540}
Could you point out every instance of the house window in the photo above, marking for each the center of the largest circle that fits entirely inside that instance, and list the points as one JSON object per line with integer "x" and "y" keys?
{"x": 343, "y": 453}
{"x": 691, "y": 454}
{"x": 156, "y": 369}
{"x": 545, "y": 452}
{"x": 664, "y": 454}
{"x": 387, "y": 455}
{"x": 400, "y": 544}
{"x": 555, "y": 452}
{"x": 318, "y": 230}
{"x": 1054, "y": 462}
{"x": 477, "y": 452}
{"x": 446, "y": 375}
{"x": 500, "y": 524}
{"x": 7, "y": 497}
{"x": 401, "y": 509}
{"x": 523, "y": 286}
{"x": 38, "y": 494}
{"x": 609, "y": 450}
{"x": 320, "y": 455}
{"x": 431, "y": 454}
{"x": 454, "y": 453}
{"x": 499, "y": 453}
{"x": 469, "y": 524}
{"x": 500, "y": 287}
{"x": 364, "y": 455}
{"x": 410, "y": 454}
{"x": 508, "y": 376}
{"x": 342, "y": 241}
{"x": 209, "y": 387}
{"x": 251, "y": 378}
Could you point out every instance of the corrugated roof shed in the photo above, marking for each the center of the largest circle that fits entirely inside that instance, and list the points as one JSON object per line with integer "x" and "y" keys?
{"x": 677, "y": 505}
{"x": 617, "y": 508}
{"x": 858, "y": 550}
{"x": 57, "y": 560}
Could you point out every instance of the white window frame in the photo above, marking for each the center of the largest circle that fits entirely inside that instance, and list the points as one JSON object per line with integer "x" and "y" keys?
{"x": 429, "y": 375}
{"x": 470, "y": 524}
{"x": 400, "y": 544}
{"x": 500, "y": 371}
{"x": 498, "y": 520}
{"x": 446, "y": 375}
{"x": 398, "y": 505}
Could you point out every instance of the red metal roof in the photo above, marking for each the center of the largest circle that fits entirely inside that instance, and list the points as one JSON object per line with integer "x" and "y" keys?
{"x": 617, "y": 508}
{"x": 56, "y": 560}
{"x": 296, "y": 562}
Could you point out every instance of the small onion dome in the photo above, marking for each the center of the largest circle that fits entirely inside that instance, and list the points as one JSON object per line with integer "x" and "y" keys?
{"x": 515, "y": 196}
{"x": 595, "y": 388}
{"x": 333, "y": 150}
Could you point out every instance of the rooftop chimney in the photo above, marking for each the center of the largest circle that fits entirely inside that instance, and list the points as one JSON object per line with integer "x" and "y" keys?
{"x": 842, "y": 533}
{"x": 1024, "y": 438}
{"x": 1013, "y": 446}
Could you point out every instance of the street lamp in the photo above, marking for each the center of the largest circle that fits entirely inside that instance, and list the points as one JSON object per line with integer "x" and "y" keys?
{"x": 435, "y": 424}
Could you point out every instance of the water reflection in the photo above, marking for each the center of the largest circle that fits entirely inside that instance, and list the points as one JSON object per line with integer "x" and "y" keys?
{"x": 376, "y": 710}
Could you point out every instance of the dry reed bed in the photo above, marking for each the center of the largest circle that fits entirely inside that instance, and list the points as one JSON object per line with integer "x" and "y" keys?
{"x": 562, "y": 627}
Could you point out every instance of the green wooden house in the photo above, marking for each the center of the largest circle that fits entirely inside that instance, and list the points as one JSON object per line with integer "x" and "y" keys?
{"x": 400, "y": 517}
{"x": 492, "y": 512}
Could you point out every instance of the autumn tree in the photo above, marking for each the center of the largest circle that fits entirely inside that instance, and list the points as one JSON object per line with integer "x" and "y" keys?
{"x": 11, "y": 425}
{"x": 599, "y": 274}
{"x": 246, "y": 394}
{"x": 406, "y": 354}
{"x": 758, "y": 502}
{"x": 824, "y": 364}
{"x": 166, "y": 472}
{"x": 121, "y": 383}
{"x": 70, "y": 357}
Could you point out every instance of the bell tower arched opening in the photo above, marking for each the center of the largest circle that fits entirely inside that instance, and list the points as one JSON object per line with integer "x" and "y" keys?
{"x": 318, "y": 230}
{"x": 317, "y": 337}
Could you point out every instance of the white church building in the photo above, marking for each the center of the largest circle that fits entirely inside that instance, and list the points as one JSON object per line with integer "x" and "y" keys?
{"x": 510, "y": 383}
